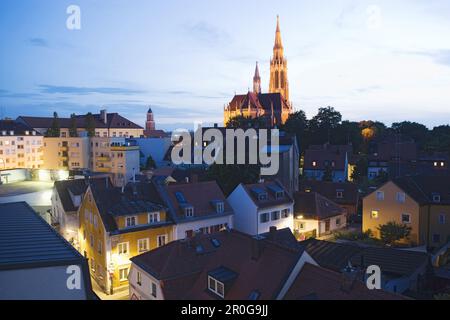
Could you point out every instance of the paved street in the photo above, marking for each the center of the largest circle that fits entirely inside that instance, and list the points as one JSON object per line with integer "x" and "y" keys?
{"x": 119, "y": 295}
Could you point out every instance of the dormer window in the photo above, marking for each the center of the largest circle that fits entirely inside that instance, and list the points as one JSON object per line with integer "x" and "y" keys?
{"x": 220, "y": 207}
{"x": 262, "y": 197}
{"x": 153, "y": 217}
{"x": 220, "y": 280}
{"x": 189, "y": 212}
{"x": 279, "y": 195}
{"x": 11, "y": 133}
{"x": 216, "y": 287}
{"x": 339, "y": 194}
{"x": 130, "y": 221}
{"x": 27, "y": 133}
{"x": 436, "y": 198}
{"x": 314, "y": 163}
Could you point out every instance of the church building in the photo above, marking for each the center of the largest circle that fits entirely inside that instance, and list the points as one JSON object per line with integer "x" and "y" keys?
{"x": 274, "y": 106}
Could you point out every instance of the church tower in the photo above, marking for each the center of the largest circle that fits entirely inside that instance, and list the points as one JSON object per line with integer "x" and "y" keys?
{"x": 257, "y": 81}
{"x": 278, "y": 67}
{"x": 150, "y": 123}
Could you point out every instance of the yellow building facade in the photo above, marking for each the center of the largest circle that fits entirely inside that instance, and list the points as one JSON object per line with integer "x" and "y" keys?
{"x": 110, "y": 241}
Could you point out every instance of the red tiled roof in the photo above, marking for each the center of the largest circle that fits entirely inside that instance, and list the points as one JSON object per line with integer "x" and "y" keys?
{"x": 316, "y": 283}
{"x": 184, "y": 271}
{"x": 315, "y": 206}
{"x": 199, "y": 195}
{"x": 329, "y": 190}
{"x": 271, "y": 200}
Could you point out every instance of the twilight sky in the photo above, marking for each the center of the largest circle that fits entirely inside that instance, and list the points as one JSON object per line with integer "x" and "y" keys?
{"x": 379, "y": 60}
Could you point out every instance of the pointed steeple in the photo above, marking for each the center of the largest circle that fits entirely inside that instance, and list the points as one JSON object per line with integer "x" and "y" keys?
{"x": 278, "y": 67}
{"x": 278, "y": 42}
{"x": 257, "y": 80}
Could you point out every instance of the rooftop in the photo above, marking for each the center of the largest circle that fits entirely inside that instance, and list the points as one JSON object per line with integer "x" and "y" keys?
{"x": 27, "y": 241}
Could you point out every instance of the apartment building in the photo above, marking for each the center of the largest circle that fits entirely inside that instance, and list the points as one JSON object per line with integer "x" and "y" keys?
{"x": 20, "y": 146}
{"x": 105, "y": 124}
{"x": 66, "y": 153}
{"x": 116, "y": 156}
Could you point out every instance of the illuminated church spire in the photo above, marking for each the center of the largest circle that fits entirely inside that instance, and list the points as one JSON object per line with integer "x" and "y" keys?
{"x": 278, "y": 67}
{"x": 257, "y": 81}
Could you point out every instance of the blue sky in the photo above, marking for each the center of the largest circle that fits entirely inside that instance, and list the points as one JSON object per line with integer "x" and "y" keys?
{"x": 381, "y": 60}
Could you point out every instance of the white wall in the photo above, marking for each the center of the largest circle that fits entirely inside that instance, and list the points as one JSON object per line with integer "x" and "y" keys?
{"x": 143, "y": 291}
{"x": 181, "y": 228}
{"x": 244, "y": 211}
{"x": 48, "y": 283}
{"x": 247, "y": 215}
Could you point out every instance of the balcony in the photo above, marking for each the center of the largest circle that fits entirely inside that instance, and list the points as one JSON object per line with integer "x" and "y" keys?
{"x": 103, "y": 169}
{"x": 64, "y": 148}
{"x": 124, "y": 148}
{"x": 103, "y": 159}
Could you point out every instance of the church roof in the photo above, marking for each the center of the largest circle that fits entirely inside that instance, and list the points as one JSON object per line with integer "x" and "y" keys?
{"x": 264, "y": 101}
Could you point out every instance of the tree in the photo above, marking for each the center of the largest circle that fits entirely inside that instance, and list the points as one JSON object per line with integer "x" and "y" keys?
{"x": 55, "y": 129}
{"x": 393, "y": 232}
{"x": 297, "y": 123}
{"x": 320, "y": 127}
{"x": 415, "y": 130}
{"x": 360, "y": 170}
{"x": 73, "y": 126}
{"x": 241, "y": 122}
{"x": 90, "y": 124}
{"x": 150, "y": 164}
{"x": 230, "y": 176}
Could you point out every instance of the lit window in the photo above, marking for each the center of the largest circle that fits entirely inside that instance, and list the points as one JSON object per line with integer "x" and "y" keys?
{"x": 314, "y": 164}
{"x": 442, "y": 164}
{"x": 375, "y": 214}
{"x": 406, "y": 218}
{"x": 123, "y": 274}
{"x": 143, "y": 245}
{"x": 122, "y": 248}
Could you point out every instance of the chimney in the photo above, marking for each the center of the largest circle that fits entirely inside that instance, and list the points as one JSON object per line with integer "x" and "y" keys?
{"x": 257, "y": 247}
{"x": 349, "y": 276}
{"x": 104, "y": 116}
{"x": 272, "y": 232}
